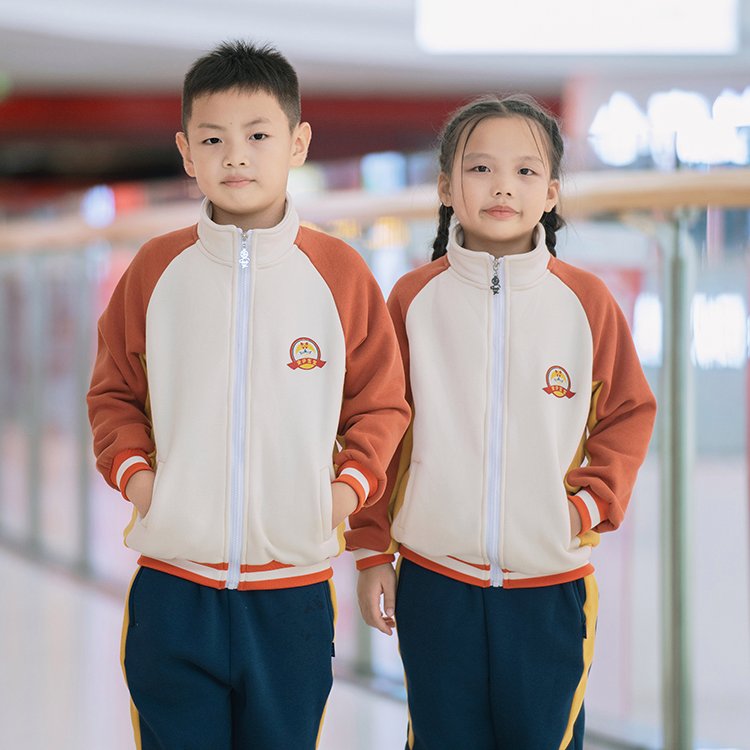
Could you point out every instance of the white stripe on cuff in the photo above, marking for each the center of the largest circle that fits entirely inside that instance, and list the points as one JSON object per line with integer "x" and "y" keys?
{"x": 126, "y": 464}
{"x": 359, "y": 476}
{"x": 591, "y": 506}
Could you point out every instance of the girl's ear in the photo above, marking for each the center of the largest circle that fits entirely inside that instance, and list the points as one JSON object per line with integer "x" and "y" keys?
{"x": 184, "y": 149}
{"x": 444, "y": 189}
{"x": 553, "y": 195}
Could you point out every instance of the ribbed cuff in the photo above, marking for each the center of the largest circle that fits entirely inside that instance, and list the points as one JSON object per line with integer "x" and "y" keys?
{"x": 590, "y": 509}
{"x": 360, "y": 480}
{"x": 366, "y": 558}
{"x": 125, "y": 465}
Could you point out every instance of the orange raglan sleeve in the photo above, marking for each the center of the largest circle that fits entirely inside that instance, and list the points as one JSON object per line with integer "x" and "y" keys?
{"x": 621, "y": 416}
{"x": 370, "y": 536}
{"x": 118, "y": 394}
{"x": 374, "y": 413}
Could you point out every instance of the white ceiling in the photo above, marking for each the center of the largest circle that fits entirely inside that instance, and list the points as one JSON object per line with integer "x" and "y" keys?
{"x": 337, "y": 46}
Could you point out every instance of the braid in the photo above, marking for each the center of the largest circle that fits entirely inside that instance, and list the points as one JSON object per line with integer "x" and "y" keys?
{"x": 440, "y": 245}
{"x": 552, "y": 221}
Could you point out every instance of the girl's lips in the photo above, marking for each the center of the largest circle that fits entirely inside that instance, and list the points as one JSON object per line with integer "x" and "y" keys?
{"x": 501, "y": 212}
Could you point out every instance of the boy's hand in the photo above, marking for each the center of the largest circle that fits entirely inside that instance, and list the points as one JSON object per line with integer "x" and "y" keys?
{"x": 575, "y": 520}
{"x": 139, "y": 489}
{"x": 345, "y": 502}
{"x": 374, "y": 582}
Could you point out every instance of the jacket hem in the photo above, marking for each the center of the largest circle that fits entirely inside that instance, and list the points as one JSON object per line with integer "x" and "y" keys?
{"x": 479, "y": 575}
{"x": 273, "y": 575}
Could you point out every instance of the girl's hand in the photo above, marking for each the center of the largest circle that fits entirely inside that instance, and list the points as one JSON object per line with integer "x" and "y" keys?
{"x": 575, "y": 520}
{"x": 139, "y": 489}
{"x": 372, "y": 583}
{"x": 345, "y": 502}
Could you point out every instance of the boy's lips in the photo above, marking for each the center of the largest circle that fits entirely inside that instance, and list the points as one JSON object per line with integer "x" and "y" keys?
{"x": 236, "y": 182}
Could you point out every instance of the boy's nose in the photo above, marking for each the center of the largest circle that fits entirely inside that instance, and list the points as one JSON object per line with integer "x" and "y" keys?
{"x": 235, "y": 160}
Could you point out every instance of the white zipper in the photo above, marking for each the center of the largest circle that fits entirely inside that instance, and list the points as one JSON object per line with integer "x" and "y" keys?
{"x": 239, "y": 415}
{"x": 495, "y": 437}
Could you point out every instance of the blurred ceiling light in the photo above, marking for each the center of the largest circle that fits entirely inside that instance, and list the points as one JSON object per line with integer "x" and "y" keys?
{"x": 678, "y": 127}
{"x": 619, "y": 132}
{"x": 732, "y": 108}
{"x": 578, "y": 27}
{"x": 669, "y": 111}
{"x": 710, "y": 142}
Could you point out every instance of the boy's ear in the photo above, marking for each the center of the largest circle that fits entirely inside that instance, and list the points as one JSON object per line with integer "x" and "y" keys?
{"x": 301, "y": 138}
{"x": 184, "y": 148}
{"x": 444, "y": 189}
{"x": 553, "y": 195}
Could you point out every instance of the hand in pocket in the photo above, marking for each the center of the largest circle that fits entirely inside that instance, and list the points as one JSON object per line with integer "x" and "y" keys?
{"x": 140, "y": 489}
{"x": 344, "y": 502}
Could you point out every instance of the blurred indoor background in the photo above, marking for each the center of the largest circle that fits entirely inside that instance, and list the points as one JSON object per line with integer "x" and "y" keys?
{"x": 654, "y": 96}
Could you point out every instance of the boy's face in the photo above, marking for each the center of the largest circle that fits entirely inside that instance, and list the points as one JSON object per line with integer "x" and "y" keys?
{"x": 239, "y": 148}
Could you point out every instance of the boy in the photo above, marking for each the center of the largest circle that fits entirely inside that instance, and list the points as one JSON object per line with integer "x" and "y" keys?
{"x": 230, "y": 357}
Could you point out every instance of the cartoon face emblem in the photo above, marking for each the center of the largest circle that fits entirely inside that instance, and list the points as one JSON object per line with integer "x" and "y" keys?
{"x": 558, "y": 382}
{"x": 305, "y": 355}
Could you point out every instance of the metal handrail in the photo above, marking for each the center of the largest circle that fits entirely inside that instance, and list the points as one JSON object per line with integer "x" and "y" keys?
{"x": 584, "y": 194}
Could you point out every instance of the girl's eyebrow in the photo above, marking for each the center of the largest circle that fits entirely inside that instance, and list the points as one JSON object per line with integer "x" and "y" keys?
{"x": 481, "y": 155}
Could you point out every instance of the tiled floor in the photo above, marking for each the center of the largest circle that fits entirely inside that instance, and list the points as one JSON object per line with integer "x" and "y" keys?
{"x": 61, "y": 687}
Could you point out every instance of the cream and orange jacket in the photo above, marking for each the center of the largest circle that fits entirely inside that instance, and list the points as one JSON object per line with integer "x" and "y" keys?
{"x": 236, "y": 365}
{"x": 527, "y": 393}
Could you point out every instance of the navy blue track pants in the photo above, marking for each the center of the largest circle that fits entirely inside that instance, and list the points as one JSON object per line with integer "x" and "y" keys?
{"x": 494, "y": 668}
{"x": 212, "y": 669}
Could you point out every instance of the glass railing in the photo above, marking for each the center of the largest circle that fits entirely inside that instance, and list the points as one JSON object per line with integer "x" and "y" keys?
{"x": 672, "y": 664}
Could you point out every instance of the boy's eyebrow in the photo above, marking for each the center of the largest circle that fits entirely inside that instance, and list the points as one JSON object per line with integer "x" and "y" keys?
{"x": 250, "y": 124}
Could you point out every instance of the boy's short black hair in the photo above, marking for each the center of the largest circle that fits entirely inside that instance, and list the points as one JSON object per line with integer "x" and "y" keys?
{"x": 243, "y": 66}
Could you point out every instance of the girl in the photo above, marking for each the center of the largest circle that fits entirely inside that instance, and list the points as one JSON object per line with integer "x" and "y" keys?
{"x": 531, "y": 418}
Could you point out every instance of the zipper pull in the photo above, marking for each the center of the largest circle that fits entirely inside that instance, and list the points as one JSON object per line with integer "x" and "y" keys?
{"x": 495, "y": 283}
{"x": 244, "y": 254}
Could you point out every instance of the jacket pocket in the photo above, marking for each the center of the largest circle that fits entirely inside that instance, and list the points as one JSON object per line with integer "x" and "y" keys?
{"x": 325, "y": 502}
{"x": 145, "y": 520}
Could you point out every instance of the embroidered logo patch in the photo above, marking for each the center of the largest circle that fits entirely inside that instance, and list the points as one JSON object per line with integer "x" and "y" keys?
{"x": 305, "y": 355}
{"x": 558, "y": 382}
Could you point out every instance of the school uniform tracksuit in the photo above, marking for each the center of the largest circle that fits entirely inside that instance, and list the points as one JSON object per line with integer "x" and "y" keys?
{"x": 229, "y": 362}
{"x": 527, "y": 393}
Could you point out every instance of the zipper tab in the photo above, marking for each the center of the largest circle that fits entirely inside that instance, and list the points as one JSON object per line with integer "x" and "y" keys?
{"x": 244, "y": 253}
{"x": 495, "y": 283}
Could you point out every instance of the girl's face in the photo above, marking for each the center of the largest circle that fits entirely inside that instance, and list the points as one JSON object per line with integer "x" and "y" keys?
{"x": 500, "y": 185}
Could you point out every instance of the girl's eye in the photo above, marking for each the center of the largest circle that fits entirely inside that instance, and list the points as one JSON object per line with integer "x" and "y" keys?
{"x": 212, "y": 141}
{"x": 526, "y": 171}
{"x": 480, "y": 168}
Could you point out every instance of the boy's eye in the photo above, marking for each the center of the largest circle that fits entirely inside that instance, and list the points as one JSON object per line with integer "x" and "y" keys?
{"x": 211, "y": 141}
{"x": 258, "y": 137}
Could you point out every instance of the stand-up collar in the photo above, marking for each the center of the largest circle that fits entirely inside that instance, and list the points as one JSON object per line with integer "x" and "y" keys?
{"x": 222, "y": 241}
{"x": 476, "y": 267}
